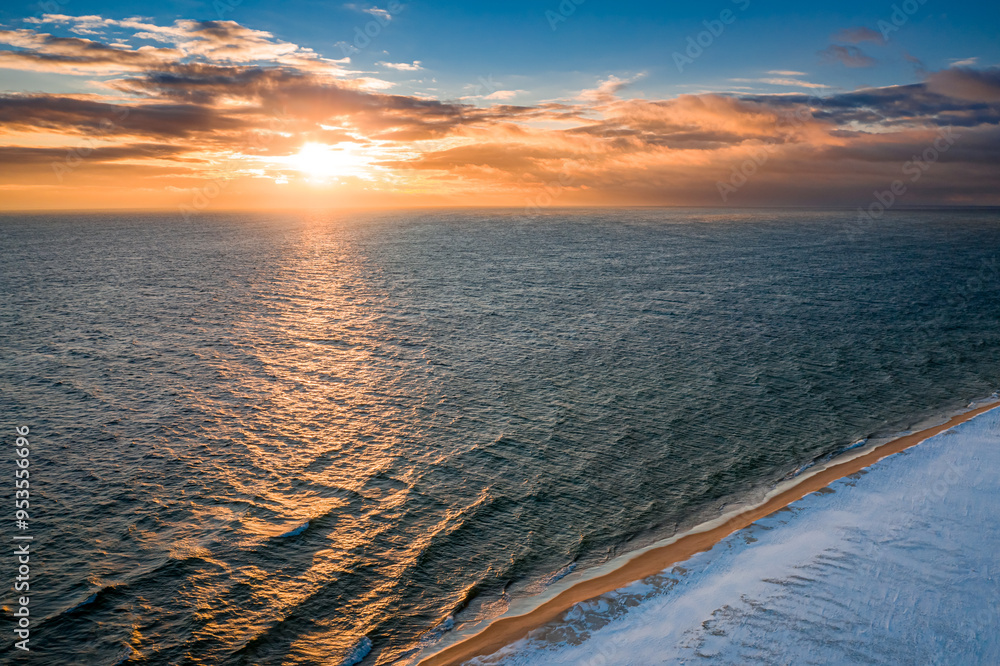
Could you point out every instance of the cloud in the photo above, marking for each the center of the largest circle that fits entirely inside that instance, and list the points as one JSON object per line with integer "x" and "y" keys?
{"x": 966, "y": 62}
{"x": 849, "y": 56}
{"x": 964, "y": 83}
{"x": 382, "y": 15}
{"x": 654, "y": 151}
{"x": 917, "y": 63}
{"x": 785, "y": 82}
{"x": 21, "y": 155}
{"x": 212, "y": 41}
{"x": 793, "y": 83}
{"x": 504, "y": 95}
{"x": 74, "y": 55}
{"x": 904, "y": 106}
{"x": 209, "y": 99}
{"x": 379, "y": 13}
{"x": 88, "y": 117}
{"x": 402, "y": 66}
{"x": 608, "y": 89}
{"x": 858, "y": 35}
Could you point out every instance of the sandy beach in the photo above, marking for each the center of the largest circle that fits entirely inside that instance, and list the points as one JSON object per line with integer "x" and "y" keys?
{"x": 506, "y": 630}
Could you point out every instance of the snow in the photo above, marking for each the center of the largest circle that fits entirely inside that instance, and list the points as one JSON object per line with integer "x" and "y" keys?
{"x": 897, "y": 565}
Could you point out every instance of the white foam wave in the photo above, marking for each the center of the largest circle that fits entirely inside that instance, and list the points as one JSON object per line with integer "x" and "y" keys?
{"x": 357, "y": 652}
{"x": 295, "y": 532}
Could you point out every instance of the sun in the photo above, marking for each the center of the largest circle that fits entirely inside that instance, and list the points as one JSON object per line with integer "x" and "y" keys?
{"x": 320, "y": 162}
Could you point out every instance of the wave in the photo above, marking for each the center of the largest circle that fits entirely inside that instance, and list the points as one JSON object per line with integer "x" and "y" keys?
{"x": 565, "y": 571}
{"x": 443, "y": 627}
{"x": 295, "y": 532}
{"x": 125, "y": 655}
{"x": 357, "y": 652}
{"x": 89, "y": 600}
{"x": 551, "y": 579}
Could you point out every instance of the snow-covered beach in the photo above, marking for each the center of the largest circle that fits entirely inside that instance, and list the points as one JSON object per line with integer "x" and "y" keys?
{"x": 896, "y": 564}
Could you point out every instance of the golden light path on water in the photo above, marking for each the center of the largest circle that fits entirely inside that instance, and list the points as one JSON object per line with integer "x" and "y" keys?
{"x": 316, "y": 382}
{"x": 328, "y": 420}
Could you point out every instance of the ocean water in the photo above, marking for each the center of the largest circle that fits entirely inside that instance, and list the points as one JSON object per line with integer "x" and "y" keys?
{"x": 283, "y": 439}
{"x": 893, "y": 565}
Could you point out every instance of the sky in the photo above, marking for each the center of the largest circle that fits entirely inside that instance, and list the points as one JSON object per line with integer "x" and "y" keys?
{"x": 235, "y": 104}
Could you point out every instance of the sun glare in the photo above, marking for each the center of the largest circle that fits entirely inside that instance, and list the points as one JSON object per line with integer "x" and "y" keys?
{"x": 321, "y": 162}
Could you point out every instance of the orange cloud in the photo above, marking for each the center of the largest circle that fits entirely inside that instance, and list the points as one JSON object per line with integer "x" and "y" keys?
{"x": 218, "y": 113}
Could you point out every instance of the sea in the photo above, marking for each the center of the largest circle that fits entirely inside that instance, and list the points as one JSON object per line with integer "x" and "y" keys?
{"x": 347, "y": 437}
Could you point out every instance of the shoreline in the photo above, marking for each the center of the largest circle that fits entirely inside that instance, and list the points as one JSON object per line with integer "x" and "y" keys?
{"x": 654, "y": 559}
